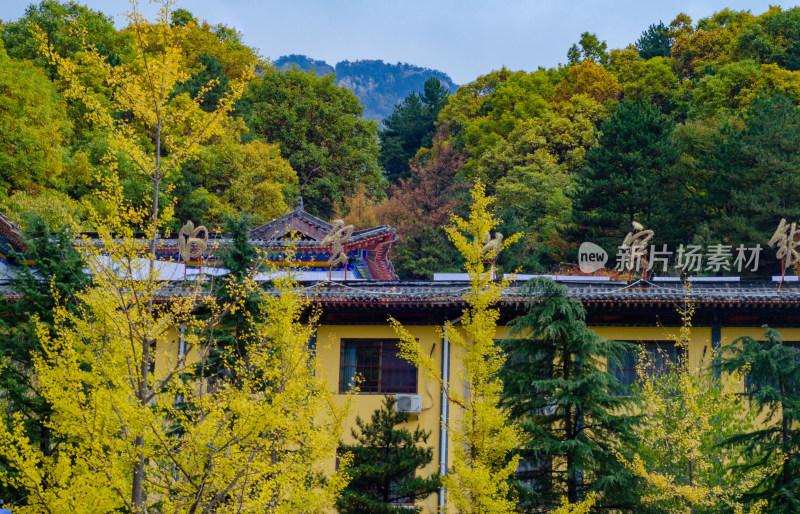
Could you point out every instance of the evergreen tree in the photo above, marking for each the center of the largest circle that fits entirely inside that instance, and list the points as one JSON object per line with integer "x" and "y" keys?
{"x": 410, "y": 127}
{"x": 630, "y": 176}
{"x": 384, "y": 465}
{"x": 211, "y": 80}
{"x": 774, "y": 388}
{"x": 754, "y": 179}
{"x": 556, "y": 385}
{"x": 588, "y": 48}
{"x": 239, "y": 258}
{"x": 181, "y": 18}
{"x": 655, "y": 42}
{"x": 56, "y": 275}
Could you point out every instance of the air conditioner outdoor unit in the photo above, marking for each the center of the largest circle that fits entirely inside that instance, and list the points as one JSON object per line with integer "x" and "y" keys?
{"x": 547, "y": 410}
{"x": 408, "y": 403}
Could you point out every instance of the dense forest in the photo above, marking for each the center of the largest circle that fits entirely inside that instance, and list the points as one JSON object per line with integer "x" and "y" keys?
{"x": 121, "y": 391}
{"x": 690, "y": 130}
{"x": 379, "y": 86}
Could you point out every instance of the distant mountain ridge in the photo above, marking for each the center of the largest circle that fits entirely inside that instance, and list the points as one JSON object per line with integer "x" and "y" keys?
{"x": 379, "y": 85}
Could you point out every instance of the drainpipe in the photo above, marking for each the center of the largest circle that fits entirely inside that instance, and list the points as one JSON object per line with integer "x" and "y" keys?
{"x": 716, "y": 343}
{"x": 445, "y": 414}
{"x": 181, "y": 341}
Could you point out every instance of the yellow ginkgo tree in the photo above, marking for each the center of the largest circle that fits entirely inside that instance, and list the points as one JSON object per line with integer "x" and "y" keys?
{"x": 688, "y": 412}
{"x": 137, "y": 424}
{"x": 483, "y": 436}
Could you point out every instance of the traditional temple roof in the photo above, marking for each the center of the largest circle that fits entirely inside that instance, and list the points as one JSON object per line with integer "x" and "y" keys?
{"x": 11, "y": 233}
{"x": 432, "y": 294}
{"x": 367, "y": 249}
{"x": 307, "y": 228}
{"x": 305, "y": 232}
{"x": 299, "y": 221}
{"x": 635, "y": 303}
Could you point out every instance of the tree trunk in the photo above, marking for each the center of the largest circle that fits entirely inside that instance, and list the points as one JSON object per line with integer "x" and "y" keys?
{"x": 137, "y": 489}
{"x": 137, "y": 494}
{"x": 570, "y": 429}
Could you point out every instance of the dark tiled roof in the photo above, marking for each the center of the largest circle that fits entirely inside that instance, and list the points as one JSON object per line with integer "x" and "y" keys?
{"x": 223, "y": 241}
{"x": 429, "y": 294}
{"x": 292, "y": 221}
{"x": 360, "y": 235}
{"x": 269, "y": 234}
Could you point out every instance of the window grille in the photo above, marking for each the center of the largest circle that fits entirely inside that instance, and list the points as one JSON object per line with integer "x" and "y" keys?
{"x": 663, "y": 355}
{"x": 376, "y": 363}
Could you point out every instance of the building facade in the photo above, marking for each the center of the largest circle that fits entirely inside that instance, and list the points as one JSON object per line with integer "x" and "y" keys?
{"x": 360, "y": 293}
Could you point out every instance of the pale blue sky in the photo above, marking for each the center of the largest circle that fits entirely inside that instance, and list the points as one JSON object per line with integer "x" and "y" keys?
{"x": 463, "y": 38}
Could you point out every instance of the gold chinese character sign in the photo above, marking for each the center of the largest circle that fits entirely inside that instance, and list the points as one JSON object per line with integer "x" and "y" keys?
{"x": 337, "y": 238}
{"x": 192, "y": 242}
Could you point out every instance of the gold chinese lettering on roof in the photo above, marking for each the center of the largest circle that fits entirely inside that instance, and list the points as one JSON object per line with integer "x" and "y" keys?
{"x": 635, "y": 244}
{"x": 337, "y": 238}
{"x": 192, "y": 242}
{"x": 786, "y": 239}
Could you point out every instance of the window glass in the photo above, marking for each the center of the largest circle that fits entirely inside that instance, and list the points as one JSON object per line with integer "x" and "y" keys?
{"x": 377, "y": 363}
{"x": 663, "y": 356}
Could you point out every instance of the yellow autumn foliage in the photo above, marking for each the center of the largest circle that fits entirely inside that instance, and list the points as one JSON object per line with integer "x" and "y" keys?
{"x": 687, "y": 412}
{"x": 582, "y": 507}
{"x": 140, "y": 422}
{"x": 482, "y": 435}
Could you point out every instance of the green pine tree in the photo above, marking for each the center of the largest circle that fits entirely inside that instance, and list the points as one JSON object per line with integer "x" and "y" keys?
{"x": 655, "y": 42}
{"x": 410, "y": 127}
{"x": 571, "y": 410}
{"x": 630, "y": 176}
{"x": 753, "y": 167}
{"x": 56, "y": 275}
{"x": 774, "y": 388}
{"x": 234, "y": 329}
{"x": 384, "y": 465}
{"x": 211, "y": 71}
{"x": 588, "y": 47}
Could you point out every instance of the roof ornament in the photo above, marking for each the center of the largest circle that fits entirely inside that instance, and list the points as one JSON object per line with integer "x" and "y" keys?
{"x": 491, "y": 250}
{"x": 492, "y": 246}
{"x": 192, "y": 242}
{"x": 299, "y": 204}
{"x": 337, "y": 239}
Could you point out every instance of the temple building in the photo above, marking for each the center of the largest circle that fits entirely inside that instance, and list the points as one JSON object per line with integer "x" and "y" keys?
{"x": 367, "y": 250}
{"x": 361, "y": 292}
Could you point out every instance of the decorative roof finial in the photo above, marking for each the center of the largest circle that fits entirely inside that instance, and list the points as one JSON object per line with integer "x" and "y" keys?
{"x": 299, "y": 203}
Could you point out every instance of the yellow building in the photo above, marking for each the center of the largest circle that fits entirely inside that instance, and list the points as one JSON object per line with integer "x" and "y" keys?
{"x": 354, "y": 336}
{"x": 357, "y": 298}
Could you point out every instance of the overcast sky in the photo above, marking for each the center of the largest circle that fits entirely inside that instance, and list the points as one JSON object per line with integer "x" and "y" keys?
{"x": 463, "y": 38}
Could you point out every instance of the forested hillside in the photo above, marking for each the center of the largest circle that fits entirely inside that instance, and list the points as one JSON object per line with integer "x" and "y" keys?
{"x": 379, "y": 85}
{"x": 126, "y": 388}
{"x": 291, "y": 133}
{"x": 691, "y": 130}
